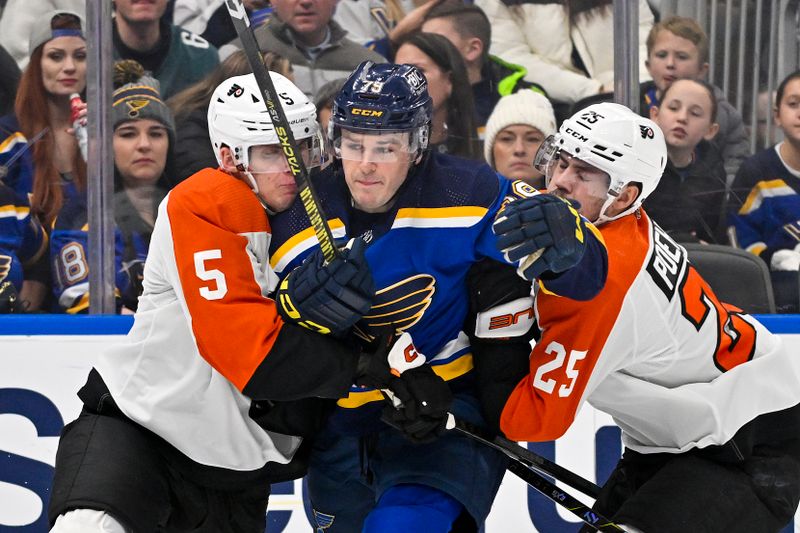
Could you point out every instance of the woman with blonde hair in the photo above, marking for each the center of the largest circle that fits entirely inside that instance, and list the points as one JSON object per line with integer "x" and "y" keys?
{"x": 193, "y": 149}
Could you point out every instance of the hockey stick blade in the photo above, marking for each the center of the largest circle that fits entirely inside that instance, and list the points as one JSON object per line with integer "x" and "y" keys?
{"x": 282, "y": 128}
{"x": 525, "y": 456}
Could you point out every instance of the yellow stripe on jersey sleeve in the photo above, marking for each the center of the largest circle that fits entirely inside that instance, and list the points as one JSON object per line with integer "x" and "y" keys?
{"x": 301, "y": 242}
{"x": 439, "y": 217}
{"x": 11, "y": 141}
{"x": 764, "y": 189}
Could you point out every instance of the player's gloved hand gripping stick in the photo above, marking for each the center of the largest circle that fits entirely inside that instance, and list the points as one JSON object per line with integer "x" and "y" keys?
{"x": 429, "y": 417}
{"x": 332, "y": 289}
{"x": 420, "y": 399}
{"x": 328, "y": 298}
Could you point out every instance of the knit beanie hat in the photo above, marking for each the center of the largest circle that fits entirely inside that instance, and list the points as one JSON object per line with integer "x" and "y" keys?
{"x": 137, "y": 97}
{"x": 523, "y": 107}
{"x": 41, "y": 33}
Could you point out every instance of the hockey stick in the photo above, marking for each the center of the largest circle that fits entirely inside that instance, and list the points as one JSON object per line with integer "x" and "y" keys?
{"x": 525, "y": 471}
{"x": 564, "y": 499}
{"x": 525, "y": 464}
{"x": 525, "y": 456}
{"x": 296, "y": 164}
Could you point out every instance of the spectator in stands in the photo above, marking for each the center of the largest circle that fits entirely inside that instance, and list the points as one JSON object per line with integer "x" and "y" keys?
{"x": 9, "y": 81}
{"x": 466, "y": 26}
{"x": 765, "y": 204}
{"x": 678, "y": 48}
{"x": 324, "y": 101}
{"x": 317, "y": 47}
{"x": 689, "y": 202}
{"x": 176, "y": 57}
{"x": 21, "y": 17}
{"x": 143, "y": 133}
{"x": 566, "y": 46}
{"x": 22, "y": 243}
{"x": 514, "y": 132}
{"x": 193, "y": 150}
{"x": 452, "y": 126}
{"x": 370, "y": 23}
{"x": 210, "y": 19}
{"x": 39, "y": 156}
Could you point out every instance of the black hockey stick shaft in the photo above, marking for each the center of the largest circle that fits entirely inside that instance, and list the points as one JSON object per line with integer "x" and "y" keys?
{"x": 523, "y": 464}
{"x": 527, "y": 457}
{"x": 524, "y": 471}
{"x": 282, "y": 128}
{"x": 564, "y": 499}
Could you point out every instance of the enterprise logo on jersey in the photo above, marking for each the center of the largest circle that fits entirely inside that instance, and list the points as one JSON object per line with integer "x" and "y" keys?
{"x": 365, "y": 112}
{"x": 666, "y": 262}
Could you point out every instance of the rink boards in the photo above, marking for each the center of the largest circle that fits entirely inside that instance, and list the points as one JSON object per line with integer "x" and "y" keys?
{"x": 44, "y": 360}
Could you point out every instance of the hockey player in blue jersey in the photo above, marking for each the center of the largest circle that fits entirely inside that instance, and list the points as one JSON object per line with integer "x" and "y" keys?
{"x": 426, "y": 218}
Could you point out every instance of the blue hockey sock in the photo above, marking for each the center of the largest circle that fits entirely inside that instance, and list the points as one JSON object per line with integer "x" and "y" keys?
{"x": 412, "y": 507}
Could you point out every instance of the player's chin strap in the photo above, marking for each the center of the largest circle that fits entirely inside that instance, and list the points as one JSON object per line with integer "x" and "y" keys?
{"x": 528, "y": 466}
{"x": 612, "y": 195}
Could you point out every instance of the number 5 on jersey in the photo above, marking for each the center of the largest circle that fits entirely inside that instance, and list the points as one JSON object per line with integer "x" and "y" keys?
{"x": 210, "y": 274}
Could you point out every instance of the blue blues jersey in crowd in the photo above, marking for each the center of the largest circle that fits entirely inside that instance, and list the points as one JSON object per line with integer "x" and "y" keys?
{"x": 16, "y": 158}
{"x": 69, "y": 250}
{"x": 22, "y": 238}
{"x": 420, "y": 252}
{"x": 766, "y": 205}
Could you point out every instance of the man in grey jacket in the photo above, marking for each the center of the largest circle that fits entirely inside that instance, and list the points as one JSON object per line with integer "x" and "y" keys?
{"x": 303, "y": 31}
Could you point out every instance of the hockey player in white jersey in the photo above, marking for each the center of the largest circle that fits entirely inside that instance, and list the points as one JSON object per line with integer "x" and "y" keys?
{"x": 188, "y": 421}
{"x": 707, "y": 399}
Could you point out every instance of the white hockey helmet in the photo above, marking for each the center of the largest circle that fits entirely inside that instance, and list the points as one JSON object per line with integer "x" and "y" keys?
{"x": 611, "y": 137}
{"x": 238, "y": 118}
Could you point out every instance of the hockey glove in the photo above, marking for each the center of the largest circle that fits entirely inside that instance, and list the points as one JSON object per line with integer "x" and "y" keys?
{"x": 387, "y": 357}
{"x": 543, "y": 233}
{"x": 424, "y": 402}
{"x": 328, "y": 298}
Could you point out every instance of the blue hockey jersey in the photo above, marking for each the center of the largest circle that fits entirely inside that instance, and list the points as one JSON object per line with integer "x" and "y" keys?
{"x": 765, "y": 199}
{"x": 420, "y": 252}
{"x": 69, "y": 249}
{"x": 16, "y": 158}
{"x": 22, "y": 238}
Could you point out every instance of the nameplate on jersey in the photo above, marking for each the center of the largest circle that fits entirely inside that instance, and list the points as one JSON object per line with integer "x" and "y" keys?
{"x": 666, "y": 262}
{"x": 511, "y": 319}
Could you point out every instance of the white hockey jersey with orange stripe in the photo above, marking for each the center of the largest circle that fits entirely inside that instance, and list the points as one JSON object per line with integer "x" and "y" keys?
{"x": 673, "y": 366}
{"x": 207, "y": 340}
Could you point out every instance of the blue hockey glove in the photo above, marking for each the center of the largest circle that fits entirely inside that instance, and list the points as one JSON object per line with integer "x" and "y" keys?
{"x": 424, "y": 402}
{"x": 543, "y": 233}
{"x": 328, "y": 298}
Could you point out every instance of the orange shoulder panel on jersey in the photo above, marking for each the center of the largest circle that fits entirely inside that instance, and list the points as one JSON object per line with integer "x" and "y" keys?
{"x": 217, "y": 225}
{"x": 543, "y": 405}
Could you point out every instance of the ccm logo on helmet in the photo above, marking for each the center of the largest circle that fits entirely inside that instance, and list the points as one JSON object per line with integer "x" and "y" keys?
{"x": 366, "y": 112}
{"x": 577, "y": 135}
